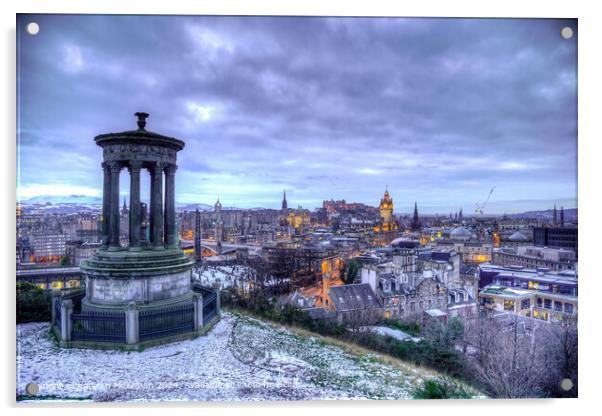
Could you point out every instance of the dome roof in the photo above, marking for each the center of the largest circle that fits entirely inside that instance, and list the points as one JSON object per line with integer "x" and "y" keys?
{"x": 460, "y": 232}
{"x": 518, "y": 236}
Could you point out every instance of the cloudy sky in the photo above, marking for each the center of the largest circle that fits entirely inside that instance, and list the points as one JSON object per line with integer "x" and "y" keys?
{"x": 438, "y": 110}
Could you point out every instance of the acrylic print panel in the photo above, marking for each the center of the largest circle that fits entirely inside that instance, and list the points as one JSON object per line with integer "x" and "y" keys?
{"x": 220, "y": 208}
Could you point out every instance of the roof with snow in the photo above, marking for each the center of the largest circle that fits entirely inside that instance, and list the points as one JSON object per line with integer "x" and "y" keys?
{"x": 518, "y": 236}
{"x": 460, "y": 232}
{"x": 435, "y": 313}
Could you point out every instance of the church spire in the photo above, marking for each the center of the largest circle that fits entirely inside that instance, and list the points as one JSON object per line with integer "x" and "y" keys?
{"x": 415, "y": 219}
{"x": 124, "y": 209}
{"x": 284, "y": 203}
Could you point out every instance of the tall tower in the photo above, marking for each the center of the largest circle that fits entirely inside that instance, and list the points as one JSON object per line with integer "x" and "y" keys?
{"x": 460, "y": 215}
{"x": 219, "y": 225}
{"x": 555, "y": 217}
{"x": 386, "y": 210}
{"x": 198, "y": 251}
{"x": 415, "y": 219}
{"x": 284, "y": 203}
{"x": 562, "y": 216}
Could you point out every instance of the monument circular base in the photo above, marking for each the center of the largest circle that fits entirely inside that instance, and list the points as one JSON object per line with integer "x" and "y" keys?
{"x": 116, "y": 278}
{"x": 89, "y": 306}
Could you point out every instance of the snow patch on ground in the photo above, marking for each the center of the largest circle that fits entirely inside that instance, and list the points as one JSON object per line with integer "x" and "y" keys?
{"x": 391, "y": 332}
{"x": 239, "y": 359}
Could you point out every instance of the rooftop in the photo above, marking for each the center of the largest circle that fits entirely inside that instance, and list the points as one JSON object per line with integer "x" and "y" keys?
{"x": 505, "y": 291}
{"x": 353, "y": 297}
{"x": 568, "y": 277}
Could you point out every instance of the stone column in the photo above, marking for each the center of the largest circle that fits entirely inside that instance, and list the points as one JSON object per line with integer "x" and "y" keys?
{"x": 114, "y": 206}
{"x": 197, "y": 300}
{"x": 170, "y": 206}
{"x": 151, "y": 223}
{"x": 135, "y": 216}
{"x": 106, "y": 203}
{"x": 66, "y": 326}
{"x": 157, "y": 207}
{"x": 56, "y": 297}
{"x": 132, "y": 333}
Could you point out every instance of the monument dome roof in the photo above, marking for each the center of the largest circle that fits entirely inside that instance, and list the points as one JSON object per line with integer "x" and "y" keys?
{"x": 139, "y": 136}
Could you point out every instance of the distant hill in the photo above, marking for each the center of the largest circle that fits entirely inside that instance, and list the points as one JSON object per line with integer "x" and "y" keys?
{"x": 192, "y": 207}
{"x": 570, "y": 214}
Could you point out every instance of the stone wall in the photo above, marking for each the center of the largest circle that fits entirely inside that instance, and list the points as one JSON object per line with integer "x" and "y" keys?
{"x": 139, "y": 290}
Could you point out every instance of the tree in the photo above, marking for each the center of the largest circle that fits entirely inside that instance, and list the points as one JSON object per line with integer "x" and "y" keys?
{"x": 33, "y": 303}
{"x": 513, "y": 356}
{"x": 561, "y": 355}
{"x": 350, "y": 271}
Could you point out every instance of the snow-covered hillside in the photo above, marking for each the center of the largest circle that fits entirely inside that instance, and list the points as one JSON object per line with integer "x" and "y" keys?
{"x": 239, "y": 359}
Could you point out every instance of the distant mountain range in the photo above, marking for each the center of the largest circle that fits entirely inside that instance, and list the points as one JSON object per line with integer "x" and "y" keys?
{"x": 63, "y": 199}
{"x": 71, "y": 202}
{"x": 74, "y": 202}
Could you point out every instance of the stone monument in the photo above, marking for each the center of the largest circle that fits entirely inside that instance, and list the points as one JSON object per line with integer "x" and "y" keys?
{"x": 146, "y": 284}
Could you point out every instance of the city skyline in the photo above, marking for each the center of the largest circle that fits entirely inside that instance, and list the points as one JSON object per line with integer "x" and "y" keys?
{"x": 438, "y": 110}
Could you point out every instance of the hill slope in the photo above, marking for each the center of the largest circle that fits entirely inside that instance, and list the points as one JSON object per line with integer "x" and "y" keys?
{"x": 239, "y": 359}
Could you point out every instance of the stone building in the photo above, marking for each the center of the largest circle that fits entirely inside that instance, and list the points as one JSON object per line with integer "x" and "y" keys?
{"x": 554, "y": 259}
{"x": 48, "y": 247}
{"x": 352, "y": 304}
{"x": 412, "y": 281}
{"x": 77, "y": 251}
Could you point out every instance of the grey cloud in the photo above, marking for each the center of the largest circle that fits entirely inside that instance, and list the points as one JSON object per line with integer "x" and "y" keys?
{"x": 423, "y": 105}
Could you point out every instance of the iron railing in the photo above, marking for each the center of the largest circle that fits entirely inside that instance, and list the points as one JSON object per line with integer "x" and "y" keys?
{"x": 171, "y": 320}
{"x": 99, "y": 326}
{"x": 209, "y": 307}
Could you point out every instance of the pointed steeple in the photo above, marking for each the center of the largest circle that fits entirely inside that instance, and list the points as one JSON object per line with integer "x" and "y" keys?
{"x": 124, "y": 209}
{"x": 415, "y": 219}
{"x": 218, "y": 206}
{"x": 284, "y": 203}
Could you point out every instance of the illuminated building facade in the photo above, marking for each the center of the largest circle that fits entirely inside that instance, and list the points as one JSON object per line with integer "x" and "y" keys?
{"x": 386, "y": 231}
{"x": 298, "y": 219}
{"x": 548, "y": 296}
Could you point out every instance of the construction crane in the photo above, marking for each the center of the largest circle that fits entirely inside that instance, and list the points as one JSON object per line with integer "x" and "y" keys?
{"x": 480, "y": 208}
